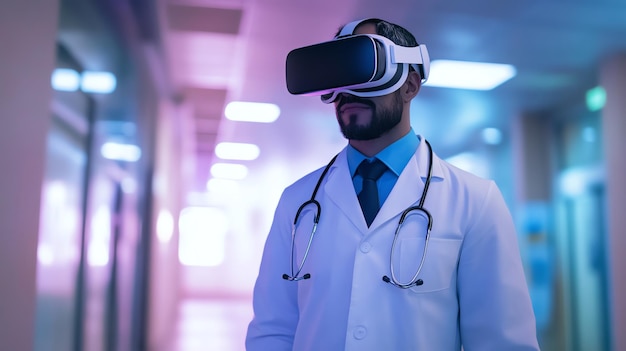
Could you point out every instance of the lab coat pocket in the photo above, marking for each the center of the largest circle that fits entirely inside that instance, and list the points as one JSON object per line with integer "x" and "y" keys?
{"x": 440, "y": 263}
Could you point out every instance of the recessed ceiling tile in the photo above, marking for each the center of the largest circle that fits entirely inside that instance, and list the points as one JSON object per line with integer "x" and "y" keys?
{"x": 203, "y": 59}
{"x": 204, "y": 19}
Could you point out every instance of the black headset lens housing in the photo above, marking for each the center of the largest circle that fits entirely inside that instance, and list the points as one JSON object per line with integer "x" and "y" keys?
{"x": 341, "y": 63}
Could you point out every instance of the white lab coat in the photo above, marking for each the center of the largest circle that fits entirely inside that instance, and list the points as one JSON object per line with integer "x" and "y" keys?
{"x": 474, "y": 293}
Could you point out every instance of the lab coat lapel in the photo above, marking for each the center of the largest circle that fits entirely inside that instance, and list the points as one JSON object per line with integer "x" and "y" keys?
{"x": 409, "y": 187}
{"x": 340, "y": 190}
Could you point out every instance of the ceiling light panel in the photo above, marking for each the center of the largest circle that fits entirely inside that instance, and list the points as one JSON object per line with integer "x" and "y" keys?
{"x": 237, "y": 151}
{"x": 64, "y": 79}
{"x": 120, "y": 152}
{"x": 252, "y": 112}
{"x": 98, "y": 82}
{"x": 469, "y": 75}
{"x": 229, "y": 171}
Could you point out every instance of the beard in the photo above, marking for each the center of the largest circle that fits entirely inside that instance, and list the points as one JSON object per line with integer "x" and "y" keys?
{"x": 383, "y": 118}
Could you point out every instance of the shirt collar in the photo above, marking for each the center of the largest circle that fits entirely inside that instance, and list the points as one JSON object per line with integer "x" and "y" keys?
{"x": 395, "y": 156}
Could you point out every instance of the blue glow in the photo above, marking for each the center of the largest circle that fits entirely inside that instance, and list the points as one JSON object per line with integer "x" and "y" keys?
{"x": 589, "y": 134}
{"x": 471, "y": 162}
{"x": 492, "y": 136}
{"x": 596, "y": 98}
{"x": 576, "y": 181}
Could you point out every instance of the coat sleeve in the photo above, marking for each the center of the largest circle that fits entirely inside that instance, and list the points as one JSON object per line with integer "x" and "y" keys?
{"x": 274, "y": 300}
{"x": 495, "y": 307}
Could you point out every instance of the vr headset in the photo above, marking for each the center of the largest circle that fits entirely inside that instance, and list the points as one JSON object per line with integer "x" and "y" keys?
{"x": 363, "y": 65}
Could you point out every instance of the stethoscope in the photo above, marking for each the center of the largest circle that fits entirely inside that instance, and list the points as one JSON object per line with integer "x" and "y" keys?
{"x": 415, "y": 281}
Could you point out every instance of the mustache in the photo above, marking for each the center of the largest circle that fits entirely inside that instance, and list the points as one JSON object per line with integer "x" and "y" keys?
{"x": 349, "y": 99}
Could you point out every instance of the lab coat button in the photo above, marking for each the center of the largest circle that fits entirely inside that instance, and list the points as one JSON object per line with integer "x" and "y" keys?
{"x": 360, "y": 333}
{"x": 366, "y": 247}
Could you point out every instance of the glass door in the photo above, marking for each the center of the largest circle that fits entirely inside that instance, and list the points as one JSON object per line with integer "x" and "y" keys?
{"x": 60, "y": 238}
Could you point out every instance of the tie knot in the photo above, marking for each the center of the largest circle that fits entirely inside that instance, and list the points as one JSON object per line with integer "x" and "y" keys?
{"x": 371, "y": 170}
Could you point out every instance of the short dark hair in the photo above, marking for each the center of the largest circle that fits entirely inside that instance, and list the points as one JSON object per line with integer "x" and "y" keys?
{"x": 398, "y": 34}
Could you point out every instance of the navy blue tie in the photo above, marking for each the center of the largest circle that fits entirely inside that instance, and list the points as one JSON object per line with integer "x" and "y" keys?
{"x": 368, "y": 197}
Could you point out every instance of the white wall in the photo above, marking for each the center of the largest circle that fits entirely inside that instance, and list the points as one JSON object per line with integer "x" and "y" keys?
{"x": 27, "y": 42}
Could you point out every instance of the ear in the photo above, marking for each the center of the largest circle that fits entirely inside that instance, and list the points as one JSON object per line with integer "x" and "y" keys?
{"x": 411, "y": 86}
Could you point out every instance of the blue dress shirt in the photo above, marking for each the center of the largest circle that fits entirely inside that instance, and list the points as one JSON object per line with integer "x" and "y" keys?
{"x": 395, "y": 156}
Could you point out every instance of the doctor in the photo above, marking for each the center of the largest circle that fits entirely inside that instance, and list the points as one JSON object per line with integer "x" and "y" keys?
{"x": 349, "y": 277}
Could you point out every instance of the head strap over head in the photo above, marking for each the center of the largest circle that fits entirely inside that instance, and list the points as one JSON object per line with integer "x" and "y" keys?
{"x": 349, "y": 28}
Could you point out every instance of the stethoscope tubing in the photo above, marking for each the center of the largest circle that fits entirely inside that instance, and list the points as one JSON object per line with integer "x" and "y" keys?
{"x": 316, "y": 219}
{"x": 415, "y": 281}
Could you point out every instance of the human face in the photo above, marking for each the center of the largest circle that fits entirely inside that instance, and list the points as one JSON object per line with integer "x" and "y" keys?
{"x": 368, "y": 118}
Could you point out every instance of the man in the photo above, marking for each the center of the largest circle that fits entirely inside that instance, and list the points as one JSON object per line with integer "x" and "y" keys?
{"x": 353, "y": 281}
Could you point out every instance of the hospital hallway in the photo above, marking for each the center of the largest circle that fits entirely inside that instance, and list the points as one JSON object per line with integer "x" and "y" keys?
{"x": 145, "y": 145}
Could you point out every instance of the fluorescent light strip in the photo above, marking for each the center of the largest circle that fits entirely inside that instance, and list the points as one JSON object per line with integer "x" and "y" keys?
{"x": 237, "y": 151}
{"x": 242, "y": 111}
{"x": 229, "y": 171}
{"x": 468, "y": 75}
{"x": 222, "y": 186}
{"x": 65, "y": 79}
{"x": 98, "y": 82}
{"x": 165, "y": 226}
{"x": 120, "y": 152}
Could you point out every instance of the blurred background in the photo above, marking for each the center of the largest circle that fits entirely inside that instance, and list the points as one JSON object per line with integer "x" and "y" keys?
{"x": 145, "y": 144}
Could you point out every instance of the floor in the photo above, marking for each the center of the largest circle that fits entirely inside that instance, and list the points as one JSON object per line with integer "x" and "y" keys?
{"x": 208, "y": 325}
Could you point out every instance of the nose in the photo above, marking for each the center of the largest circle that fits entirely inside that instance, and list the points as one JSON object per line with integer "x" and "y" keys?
{"x": 344, "y": 96}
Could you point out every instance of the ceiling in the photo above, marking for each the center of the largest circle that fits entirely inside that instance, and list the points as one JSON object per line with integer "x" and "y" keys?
{"x": 222, "y": 51}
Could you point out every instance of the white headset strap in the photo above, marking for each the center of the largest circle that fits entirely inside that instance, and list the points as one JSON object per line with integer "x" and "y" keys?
{"x": 415, "y": 55}
{"x": 405, "y": 54}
